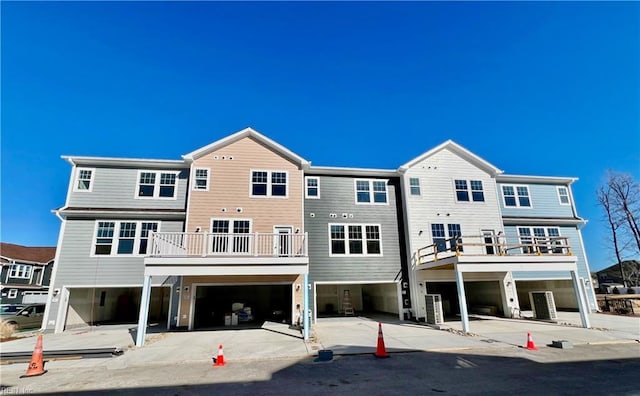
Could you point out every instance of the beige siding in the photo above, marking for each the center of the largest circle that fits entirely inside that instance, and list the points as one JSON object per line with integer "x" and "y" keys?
{"x": 230, "y": 188}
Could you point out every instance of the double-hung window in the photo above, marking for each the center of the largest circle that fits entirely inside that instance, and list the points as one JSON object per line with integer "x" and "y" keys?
{"x": 84, "y": 179}
{"x": 516, "y": 196}
{"x": 312, "y": 185}
{"x": 439, "y": 236}
{"x": 22, "y": 271}
{"x": 462, "y": 190}
{"x": 122, "y": 238}
{"x": 563, "y": 196}
{"x": 269, "y": 183}
{"x": 540, "y": 240}
{"x": 371, "y": 191}
{"x": 354, "y": 240}
{"x": 230, "y": 236}
{"x": 152, "y": 184}
{"x": 201, "y": 179}
{"x": 414, "y": 186}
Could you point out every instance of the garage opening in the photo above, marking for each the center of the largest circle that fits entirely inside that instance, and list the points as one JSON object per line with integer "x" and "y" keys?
{"x": 365, "y": 299}
{"x": 101, "y": 306}
{"x": 241, "y": 306}
{"x": 483, "y": 297}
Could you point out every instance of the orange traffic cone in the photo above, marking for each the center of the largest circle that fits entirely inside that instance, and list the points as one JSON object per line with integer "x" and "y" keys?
{"x": 530, "y": 345}
{"x": 219, "y": 361}
{"x": 381, "y": 352}
{"x": 36, "y": 365}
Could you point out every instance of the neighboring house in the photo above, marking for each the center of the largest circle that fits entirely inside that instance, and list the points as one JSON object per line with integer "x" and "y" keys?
{"x": 356, "y": 241}
{"x": 613, "y": 275}
{"x": 26, "y": 273}
{"x": 483, "y": 251}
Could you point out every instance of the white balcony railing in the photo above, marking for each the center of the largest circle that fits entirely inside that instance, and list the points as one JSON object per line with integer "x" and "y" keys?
{"x": 483, "y": 245}
{"x": 197, "y": 244}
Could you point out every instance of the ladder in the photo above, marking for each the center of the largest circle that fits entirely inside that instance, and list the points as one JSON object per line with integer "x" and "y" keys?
{"x": 347, "y": 307}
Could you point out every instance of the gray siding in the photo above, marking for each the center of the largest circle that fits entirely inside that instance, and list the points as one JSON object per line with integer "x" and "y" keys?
{"x": 77, "y": 267}
{"x": 338, "y": 196}
{"x": 544, "y": 202}
{"x": 115, "y": 188}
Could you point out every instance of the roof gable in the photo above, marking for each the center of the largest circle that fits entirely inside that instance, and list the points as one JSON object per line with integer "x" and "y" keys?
{"x": 247, "y": 132}
{"x": 460, "y": 151}
{"x": 34, "y": 254}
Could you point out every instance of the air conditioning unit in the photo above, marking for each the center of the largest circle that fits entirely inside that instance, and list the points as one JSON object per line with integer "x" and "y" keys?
{"x": 543, "y": 305}
{"x": 434, "y": 309}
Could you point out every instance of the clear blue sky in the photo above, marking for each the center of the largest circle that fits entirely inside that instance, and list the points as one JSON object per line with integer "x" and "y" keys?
{"x": 537, "y": 88}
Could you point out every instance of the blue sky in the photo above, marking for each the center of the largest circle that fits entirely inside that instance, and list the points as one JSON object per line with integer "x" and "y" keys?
{"x": 537, "y": 88}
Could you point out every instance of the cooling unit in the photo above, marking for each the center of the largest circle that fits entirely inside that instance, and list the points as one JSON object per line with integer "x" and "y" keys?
{"x": 543, "y": 305}
{"x": 434, "y": 309}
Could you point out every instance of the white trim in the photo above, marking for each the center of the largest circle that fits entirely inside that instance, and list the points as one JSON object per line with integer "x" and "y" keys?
{"x": 115, "y": 239}
{"x": 52, "y": 278}
{"x": 157, "y": 185}
{"x": 92, "y": 178}
{"x": 411, "y": 186}
{"x": 194, "y": 185}
{"x": 364, "y": 240}
{"x": 13, "y": 293}
{"x": 269, "y": 184}
{"x": 306, "y": 187}
{"x": 561, "y": 195}
{"x": 469, "y": 191}
{"x": 516, "y": 196}
{"x": 371, "y": 191}
{"x": 292, "y": 267}
{"x": 24, "y": 268}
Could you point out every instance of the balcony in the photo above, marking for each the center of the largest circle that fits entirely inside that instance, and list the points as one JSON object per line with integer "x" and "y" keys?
{"x": 195, "y": 253}
{"x": 489, "y": 253}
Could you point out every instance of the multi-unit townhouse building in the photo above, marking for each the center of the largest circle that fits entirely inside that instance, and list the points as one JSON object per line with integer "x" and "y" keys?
{"x": 25, "y": 273}
{"x": 244, "y": 230}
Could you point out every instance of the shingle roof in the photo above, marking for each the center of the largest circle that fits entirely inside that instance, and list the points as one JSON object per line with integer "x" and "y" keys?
{"x": 35, "y": 254}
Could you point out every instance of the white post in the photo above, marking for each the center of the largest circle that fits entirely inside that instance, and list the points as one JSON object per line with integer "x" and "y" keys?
{"x": 144, "y": 311}
{"x": 305, "y": 311}
{"x": 462, "y": 299}
{"x": 584, "y": 311}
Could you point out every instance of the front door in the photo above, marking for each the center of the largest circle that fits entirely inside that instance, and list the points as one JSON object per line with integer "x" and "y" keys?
{"x": 282, "y": 240}
{"x": 489, "y": 241}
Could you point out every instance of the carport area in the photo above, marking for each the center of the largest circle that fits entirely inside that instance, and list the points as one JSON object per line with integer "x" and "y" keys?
{"x": 335, "y": 299}
{"x": 115, "y": 305}
{"x": 483, "y": 297}
{"x": 241, "y": 305}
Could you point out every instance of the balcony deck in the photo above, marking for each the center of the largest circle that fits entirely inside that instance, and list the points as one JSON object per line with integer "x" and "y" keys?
{"x": 495, "y": 254}
{"x": 195, "y": 253}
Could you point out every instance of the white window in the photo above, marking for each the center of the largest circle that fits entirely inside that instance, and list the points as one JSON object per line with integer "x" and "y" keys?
{"x": 201, "y": 179}
{"x": 516, "y": 196}
{"x": 414, "y": 186}
{"x": 354, "y": 240}
{"x": 312, "y": 185}
{"x": 230, "y": 236}
{"x": 153, "y": 184}
{"x": 462, "y": 190}
{"x": 122, "y": 238}
{"x": 269, "y": 183}
{"x": 541, "y": 239}
{"x": 13, "y": 293}
{"x": 444, "y": 241}
{"x": 371, "y": 192}
{"x": 563, "y": 196}
{"x": 84, "y": 179}
{"x": 22, "y": 271}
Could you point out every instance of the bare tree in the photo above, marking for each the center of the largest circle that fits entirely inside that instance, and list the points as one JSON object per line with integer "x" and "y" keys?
{"x": 619, "y": 196}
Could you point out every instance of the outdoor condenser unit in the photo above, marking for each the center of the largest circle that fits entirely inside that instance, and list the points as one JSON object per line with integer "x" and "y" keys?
{"x": 434, "y": 309}
{"x": 543, "y": 305}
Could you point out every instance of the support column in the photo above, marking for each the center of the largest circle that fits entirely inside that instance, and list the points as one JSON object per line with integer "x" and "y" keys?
{"x": 305, "y": 311}
{"x": 144, "y": 311}
{"x": 584, "y": 311}
{"x": 463, "y": 301}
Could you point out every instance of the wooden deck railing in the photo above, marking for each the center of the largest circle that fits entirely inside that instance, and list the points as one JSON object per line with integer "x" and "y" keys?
{"x": 483, "y": 245}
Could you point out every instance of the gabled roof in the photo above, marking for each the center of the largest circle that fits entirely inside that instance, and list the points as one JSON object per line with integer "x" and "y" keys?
{"x": 33, "y": 254}
{"x": 457, "y": 149}
{"x": 247, "y": 132}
